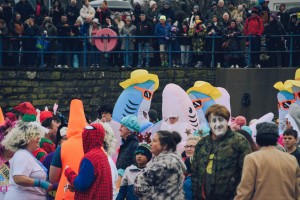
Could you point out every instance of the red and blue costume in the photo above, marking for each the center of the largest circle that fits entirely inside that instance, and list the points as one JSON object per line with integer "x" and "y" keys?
{"x": 94, "y": 180}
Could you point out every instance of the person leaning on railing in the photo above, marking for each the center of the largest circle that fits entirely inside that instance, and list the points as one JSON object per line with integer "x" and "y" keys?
{"x": 275, "y": 41}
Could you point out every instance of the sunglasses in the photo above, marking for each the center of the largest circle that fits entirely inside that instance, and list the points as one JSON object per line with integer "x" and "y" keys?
{"x": 297, "y": 95}
{"x": 147, "y": 94}
{"x": 189, "y": 146}
{"x": 285, "y": 105}
{"x": 198, "y": 103}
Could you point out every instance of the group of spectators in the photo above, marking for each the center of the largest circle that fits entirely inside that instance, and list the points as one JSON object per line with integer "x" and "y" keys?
{"x": 190, "y": 35}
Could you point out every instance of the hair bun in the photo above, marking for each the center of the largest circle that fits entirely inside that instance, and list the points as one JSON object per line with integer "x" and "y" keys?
{"x": 176, "y": 137}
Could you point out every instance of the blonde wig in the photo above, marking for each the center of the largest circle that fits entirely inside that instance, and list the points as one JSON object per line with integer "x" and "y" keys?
{"x": 22, "y": 134}
{"x": 193, "y": 137}
{"x": 109, "y": 139}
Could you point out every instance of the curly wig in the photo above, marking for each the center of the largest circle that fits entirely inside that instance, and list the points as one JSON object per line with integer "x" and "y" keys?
{"x": 22, "y": 134}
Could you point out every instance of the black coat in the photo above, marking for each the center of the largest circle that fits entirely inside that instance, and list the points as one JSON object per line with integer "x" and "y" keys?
{"x": 144, "y": 29}
{"x": 72, "y": 13}
{"x": 25, "y": 9}
{"x": 272, "y": 29}
{"x": 126, "y": 155}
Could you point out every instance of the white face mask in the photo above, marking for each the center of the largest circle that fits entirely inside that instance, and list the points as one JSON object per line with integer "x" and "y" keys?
{"x": 218, "y": 125}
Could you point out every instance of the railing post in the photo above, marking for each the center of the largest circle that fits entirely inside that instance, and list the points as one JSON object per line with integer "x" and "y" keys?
{"x": 84, "y": 51}
{"x": 291, "y": 49}
{"x": 42, "y": 56}
{"x": 249, "y": 50}
{"x": 126, "y": 49}
{"x": 170, "y": 54}
{"x": 213, "y": 52}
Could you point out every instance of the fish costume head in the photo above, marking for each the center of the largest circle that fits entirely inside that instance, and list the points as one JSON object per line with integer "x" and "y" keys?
{"x": 136, "y": 97}
{"x": 203, "y": 95}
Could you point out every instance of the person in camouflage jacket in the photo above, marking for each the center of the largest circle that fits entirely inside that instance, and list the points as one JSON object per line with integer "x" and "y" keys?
{"x": 218, "y": 158}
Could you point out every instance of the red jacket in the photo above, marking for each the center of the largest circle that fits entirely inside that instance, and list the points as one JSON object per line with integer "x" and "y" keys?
{"x": 254, "y": 26}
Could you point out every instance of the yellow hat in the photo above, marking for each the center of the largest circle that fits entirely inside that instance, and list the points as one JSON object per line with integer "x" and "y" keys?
{"x": 140, "y": 76}
{"x": 205, "y": 88}
{"x": 163, "y": 17}
{"x": 283, "y": 86}
{"x": 295, "y": 82}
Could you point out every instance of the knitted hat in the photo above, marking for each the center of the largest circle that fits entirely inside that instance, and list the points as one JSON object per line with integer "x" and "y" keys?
{"x": 11, "y": 116}
{"x": 44, "y": 115}
{"x": 128, "y": 18}
{"x": 274, "y": 17}
{"x": 254, "y": 10}
{"x": 152, "y": 3}
{"x": 162, "y": 17}
{"x": 294, "y": 112}
{"x": 241, "y": 120}
{"x": 220, "y": 1}
{"x": 267, "y": 128}
{"x": 144, "y": 149}
{"x": 247, "y": 129}
{"x": 131, "y": 122}
{"x": 28, "y": 111}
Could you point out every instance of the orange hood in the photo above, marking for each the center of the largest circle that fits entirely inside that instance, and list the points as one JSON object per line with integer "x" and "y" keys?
{"x": 77, "y": 119}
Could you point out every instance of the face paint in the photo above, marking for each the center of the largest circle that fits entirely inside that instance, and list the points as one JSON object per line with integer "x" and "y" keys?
{"x": 218, "y": 125}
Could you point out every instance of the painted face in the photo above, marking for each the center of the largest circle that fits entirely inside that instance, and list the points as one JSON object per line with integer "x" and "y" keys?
{"x": 124, "y": 131}
{"x": 218, "y": 125}
{"x": 155, "y": 146}
{"x": 289, "y": 141}
{"x": 190, "y": 147}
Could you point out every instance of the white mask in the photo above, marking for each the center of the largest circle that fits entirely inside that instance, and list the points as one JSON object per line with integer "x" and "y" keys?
{"x": 218, "y": 125}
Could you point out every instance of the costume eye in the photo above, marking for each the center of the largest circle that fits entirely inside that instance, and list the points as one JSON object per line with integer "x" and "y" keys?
{"x": 190, "y": 110}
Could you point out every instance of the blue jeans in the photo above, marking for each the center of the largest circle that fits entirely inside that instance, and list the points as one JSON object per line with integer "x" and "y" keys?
{"x": 130, "y": 58}
{"x": 64, "y": 56}
{"x": 144, "y": 51}
{"x": 95, "y": 56}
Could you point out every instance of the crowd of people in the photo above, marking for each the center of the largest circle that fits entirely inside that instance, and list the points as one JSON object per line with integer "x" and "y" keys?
{"x": 153, "y": 33}
{"x": 52, "y": 157}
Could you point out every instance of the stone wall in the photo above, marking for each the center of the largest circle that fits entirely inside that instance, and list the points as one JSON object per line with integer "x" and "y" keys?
{"x": 45, "y": 87}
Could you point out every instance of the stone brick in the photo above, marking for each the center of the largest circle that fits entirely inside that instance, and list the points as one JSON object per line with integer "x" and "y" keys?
{"x": 73, "y": 75}
{"x": 55, "y": 75}
{"x": 9, "y": 83}
{"x": 20, "y": 89}
{"x": 7, "y": 90}
{"x": 28, "y": 83}
{"x": 43, "y": 102}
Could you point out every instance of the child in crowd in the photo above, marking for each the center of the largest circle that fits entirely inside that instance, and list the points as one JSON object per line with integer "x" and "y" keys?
{"x": 290, "y": 140}
{"x": 143, "y": 156}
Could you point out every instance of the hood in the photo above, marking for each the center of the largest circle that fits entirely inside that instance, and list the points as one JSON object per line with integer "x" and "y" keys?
{"x": 92, "y": 137}
{"x": 175, "y": 155}
{"x": 77, "y": 119}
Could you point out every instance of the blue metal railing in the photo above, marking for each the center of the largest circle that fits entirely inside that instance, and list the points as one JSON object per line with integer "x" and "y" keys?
{"x": 85, "y": 52}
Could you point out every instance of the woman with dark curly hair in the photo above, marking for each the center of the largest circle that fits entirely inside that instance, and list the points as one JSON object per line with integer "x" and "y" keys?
{"x": 163, "y": 176}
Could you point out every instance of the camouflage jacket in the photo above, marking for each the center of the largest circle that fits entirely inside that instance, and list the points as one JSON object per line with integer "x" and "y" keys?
{"x": 229, "y": 153}
{"x": 162, "y": 179}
